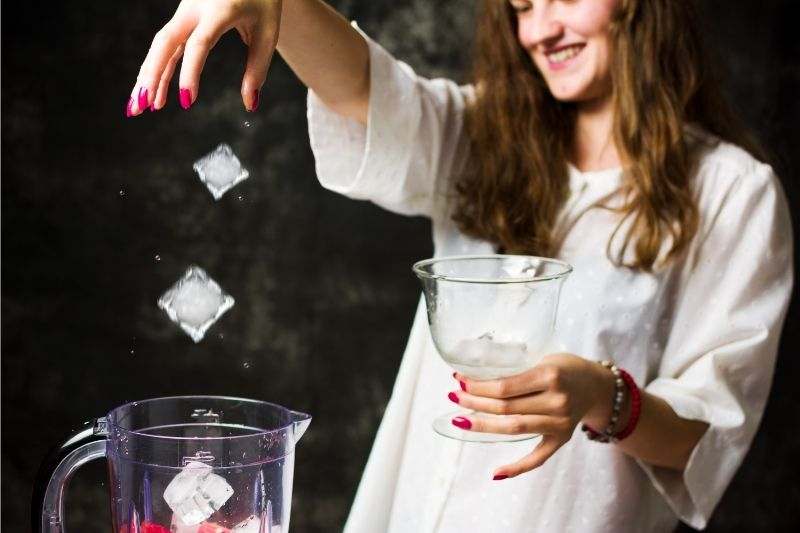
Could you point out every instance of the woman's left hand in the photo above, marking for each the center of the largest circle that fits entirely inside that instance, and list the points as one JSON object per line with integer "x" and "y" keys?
{"x": 551, "y": 398}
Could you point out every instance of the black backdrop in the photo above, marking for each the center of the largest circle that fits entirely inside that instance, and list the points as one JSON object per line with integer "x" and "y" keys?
{"x": 323, "y": 287}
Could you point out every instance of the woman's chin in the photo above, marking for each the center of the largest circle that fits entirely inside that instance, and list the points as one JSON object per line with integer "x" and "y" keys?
{"x": 575, "y": 94}
{"x": 568, "y": 93}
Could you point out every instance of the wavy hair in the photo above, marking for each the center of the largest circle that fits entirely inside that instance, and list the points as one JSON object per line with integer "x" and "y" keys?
{"x": 520, "y": 135}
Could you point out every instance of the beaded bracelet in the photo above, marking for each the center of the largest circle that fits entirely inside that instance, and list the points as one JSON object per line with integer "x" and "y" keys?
{"x": 619, "y": 387}
{"x": 622, "y": 379}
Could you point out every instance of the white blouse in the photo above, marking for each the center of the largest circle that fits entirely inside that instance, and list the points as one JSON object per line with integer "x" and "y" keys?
{"x": 702, "y": 334}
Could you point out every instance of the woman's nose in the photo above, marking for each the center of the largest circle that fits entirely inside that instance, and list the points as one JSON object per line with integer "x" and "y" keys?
{"x": 541, "y": 26}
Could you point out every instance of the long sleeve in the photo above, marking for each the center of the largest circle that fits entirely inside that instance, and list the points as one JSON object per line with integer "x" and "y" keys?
{"x": 720, "y": 354}
{"x": 412, "y": 139}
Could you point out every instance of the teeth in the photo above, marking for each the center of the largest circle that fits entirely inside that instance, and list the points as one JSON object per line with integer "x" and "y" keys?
{"x": 563, "y": 55}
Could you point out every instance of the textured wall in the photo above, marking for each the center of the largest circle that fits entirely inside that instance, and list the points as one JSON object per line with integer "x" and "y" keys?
{"x": 323, "y": 287}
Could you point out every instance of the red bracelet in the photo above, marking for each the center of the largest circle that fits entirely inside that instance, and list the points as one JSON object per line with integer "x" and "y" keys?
{"x": 636, "y": 406}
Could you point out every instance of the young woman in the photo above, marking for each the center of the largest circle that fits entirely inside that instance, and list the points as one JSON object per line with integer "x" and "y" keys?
{"x": 592, "y": 133}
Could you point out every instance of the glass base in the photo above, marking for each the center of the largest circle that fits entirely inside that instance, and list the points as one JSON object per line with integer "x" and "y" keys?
{"x": 443, "y": 425}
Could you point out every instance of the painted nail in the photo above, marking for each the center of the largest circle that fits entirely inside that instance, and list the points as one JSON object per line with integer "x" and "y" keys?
{"x": 453, "y": 397}
{"x": 128, "y": 111}
{"x": 499, "y": 477}
{"x": 152, "y": 107}
{"x": 185, "y": 97}
{"x": 142, "y": 101}
{"x": 461, "y": 422}
{"x": 256, "y": 98}
{"x": 463, "y": 386}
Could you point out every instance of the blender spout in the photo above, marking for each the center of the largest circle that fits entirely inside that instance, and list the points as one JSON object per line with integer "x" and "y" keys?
{"x": 300, "y": 423}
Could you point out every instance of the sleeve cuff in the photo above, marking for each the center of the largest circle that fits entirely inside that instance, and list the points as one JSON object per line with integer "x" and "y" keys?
{"x": 368, "y": 163}
{"x": 694, "y": 493}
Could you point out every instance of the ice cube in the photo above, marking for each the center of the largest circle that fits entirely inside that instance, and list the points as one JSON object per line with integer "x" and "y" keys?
{"x": 220, "y": 170}
{"x": 522, "y": 268}
{"x": 489, "y": 358}
{"x": 178, "y": 526}
{"x": 196, "y": 493}
{"x": 195, "y": 302}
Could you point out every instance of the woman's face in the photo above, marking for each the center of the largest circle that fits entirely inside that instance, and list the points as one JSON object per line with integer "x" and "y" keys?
{"x": 569, "y": 43}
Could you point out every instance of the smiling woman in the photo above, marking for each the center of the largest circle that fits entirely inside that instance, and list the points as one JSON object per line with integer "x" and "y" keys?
{"x": 604, "y": 84}
{"x": 585, "y": 120}
{"x": 557, "y": 34}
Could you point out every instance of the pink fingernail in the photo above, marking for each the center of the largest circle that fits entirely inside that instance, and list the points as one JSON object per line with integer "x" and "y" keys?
{"x": 463, "y": 386}
{"x": 453, "y": 397}
{"x": 500, "y": 477}
{"x": 185, "y": 97}
{"x": 256, "y": 98}
{"x": 128, "y": 106}
{"x": 461, "y": 422}
{"x": 152, "y": 107}
{"x": 142, "y": 98}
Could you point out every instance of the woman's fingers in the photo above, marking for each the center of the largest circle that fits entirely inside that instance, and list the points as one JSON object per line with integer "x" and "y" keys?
{"x": 537, "y": 403}
{"x": 259, "y": 55}
{"x": 164, "y": 45}
{"x": 192, "y": 33}
{"x": 514, "y": 424}
{"x": 199, "y": 44}
{"x": 546, "y": 448}
{"x": 537, "y": 379}
{"x": 163, "y": 86}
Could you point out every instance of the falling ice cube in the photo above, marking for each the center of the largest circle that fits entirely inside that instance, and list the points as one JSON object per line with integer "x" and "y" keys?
{"x": 220, "y": 170}
{"x": 196, "y": 493}
{"x": 195, "y": 302}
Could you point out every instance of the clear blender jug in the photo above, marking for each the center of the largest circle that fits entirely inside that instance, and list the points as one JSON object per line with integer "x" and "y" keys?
{"x": 189, "y": 464}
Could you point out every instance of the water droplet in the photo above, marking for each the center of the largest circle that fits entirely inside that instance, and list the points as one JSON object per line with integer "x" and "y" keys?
{"x": 240, "y": 197}
{"x": 221, "y": 336}
{"x": 157, "y": 258}
{"x": 132, "y": 352}
{"x": 122, "y": 192}
{"x": 246, "y": 364}
{"x": 246, "y": 124}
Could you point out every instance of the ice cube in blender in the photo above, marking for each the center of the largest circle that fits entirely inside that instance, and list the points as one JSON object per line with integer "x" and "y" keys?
{"x": 220, "y": 170}
{"x": 196, "y": 493}
{"x": 204, "y": 527}
{"x": 195, "y": 302}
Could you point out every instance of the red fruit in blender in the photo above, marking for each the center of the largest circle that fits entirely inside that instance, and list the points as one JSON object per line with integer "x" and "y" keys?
{"x": 151, "y": 527}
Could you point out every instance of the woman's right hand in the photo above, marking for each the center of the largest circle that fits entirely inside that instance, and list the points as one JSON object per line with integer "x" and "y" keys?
{"x": 194, "y": 29}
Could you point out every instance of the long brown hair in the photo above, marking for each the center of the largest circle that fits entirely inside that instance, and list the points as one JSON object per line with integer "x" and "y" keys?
{"x": 520, "y": 135}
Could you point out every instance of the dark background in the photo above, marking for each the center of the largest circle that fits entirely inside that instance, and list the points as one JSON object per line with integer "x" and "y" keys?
{"x": 324, "y": 294}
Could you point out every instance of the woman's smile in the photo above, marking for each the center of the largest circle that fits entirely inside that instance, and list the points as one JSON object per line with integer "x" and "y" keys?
{"x": 562, "y": 57}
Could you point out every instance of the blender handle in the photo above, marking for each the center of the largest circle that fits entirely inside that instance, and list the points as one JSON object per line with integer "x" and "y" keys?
{"x": 47, "y": 505}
